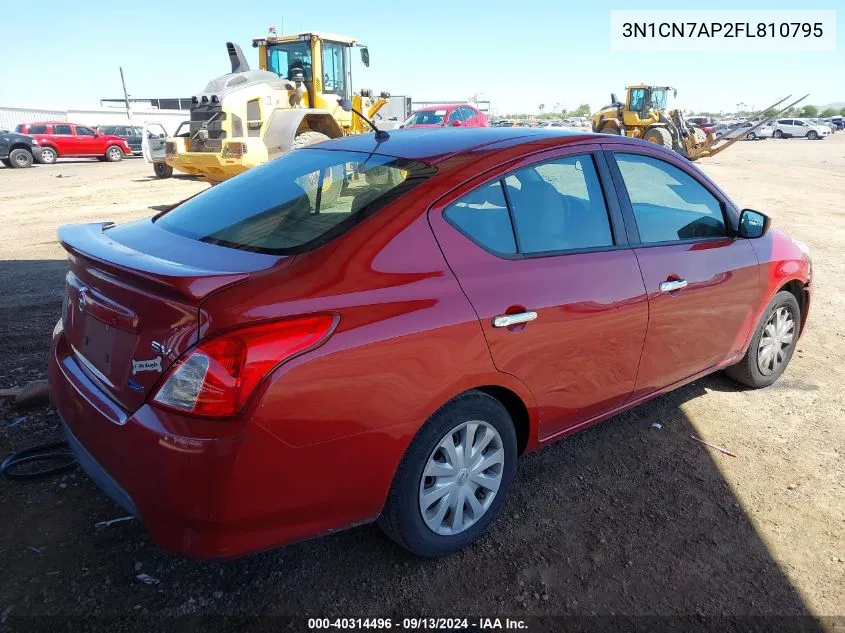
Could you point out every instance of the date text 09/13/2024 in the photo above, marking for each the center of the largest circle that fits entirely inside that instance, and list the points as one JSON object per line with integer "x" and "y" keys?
{"x": 417, "y": 624}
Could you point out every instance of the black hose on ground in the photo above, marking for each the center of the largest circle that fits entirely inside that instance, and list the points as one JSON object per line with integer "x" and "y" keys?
{"x": 10, "y": 467}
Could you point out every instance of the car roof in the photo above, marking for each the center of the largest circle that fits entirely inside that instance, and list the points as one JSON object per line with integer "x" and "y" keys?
{"x": 435, "y": 145}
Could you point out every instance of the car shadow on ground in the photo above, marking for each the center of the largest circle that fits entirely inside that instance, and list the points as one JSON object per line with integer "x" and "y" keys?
{"x": 622, "y": 518}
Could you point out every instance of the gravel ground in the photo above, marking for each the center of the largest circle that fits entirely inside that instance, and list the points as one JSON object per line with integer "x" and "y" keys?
{"x": 623, "y": 518}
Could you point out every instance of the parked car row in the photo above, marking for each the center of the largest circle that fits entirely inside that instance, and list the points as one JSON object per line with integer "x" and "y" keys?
{"x": 811, "y": 129}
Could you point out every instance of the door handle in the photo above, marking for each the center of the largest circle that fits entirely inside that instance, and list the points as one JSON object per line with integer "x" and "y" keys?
{"x": 507, "y": 320}
{"x": 669, "y": 286}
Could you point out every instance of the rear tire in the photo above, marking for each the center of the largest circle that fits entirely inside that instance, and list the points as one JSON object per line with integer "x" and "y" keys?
{"x": 402, "y": 518}
{"x": 753, "y": 370}
{"x": 114, "y": 154}
{"x": 162, "y": 170}
{"x": 812, "y": 135}
{"x": 48, "y": 155}
{"x": 20, "y": 158}
{"x": 659, "y": 136}
{"x": 611, "y": 128}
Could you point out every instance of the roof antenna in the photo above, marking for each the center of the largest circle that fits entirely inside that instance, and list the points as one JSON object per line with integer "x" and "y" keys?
{"x": 381, "y": 135}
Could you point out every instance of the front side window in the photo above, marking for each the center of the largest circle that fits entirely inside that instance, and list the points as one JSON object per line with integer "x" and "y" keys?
{"x": 637, "y": 98}
{"x": 456, "y": 115}
{"x": 559, "y": 206}
{"x": 669, "y": 205}
{"x": 294, "y": 203}
{"x": 62, "y": 129}
{"x": 286, "y": 59}
{"x": 659, "y": 99}
{"x": 84, "y": 131}
{"x": 334, "y": 75}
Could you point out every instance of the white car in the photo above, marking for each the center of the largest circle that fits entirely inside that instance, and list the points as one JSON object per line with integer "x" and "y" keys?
{"x": 784, "y": 128}
{"x": 732, "y": 131}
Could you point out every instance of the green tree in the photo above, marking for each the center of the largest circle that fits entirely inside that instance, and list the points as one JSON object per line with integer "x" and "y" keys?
{"x": 583, "y": 110}
{"x": 809, "y": 112}
{"x": 842, "y": 112}
{"x": 829, "y": 112}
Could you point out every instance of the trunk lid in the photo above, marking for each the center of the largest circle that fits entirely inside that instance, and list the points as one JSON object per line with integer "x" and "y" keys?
{"x": 132, "y": 299}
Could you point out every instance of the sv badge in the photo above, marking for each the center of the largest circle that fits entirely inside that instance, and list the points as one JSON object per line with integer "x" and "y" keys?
{"x": 146, "y": 365}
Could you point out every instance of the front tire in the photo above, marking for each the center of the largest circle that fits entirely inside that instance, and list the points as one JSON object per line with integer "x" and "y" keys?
{"x": 441, "y": 500}
{"x": 778, "y": 134}
{"x": 162, "y": 170}
{"x": 659, "y": 136}
{"x": 812, "y": 135}
{"x": 772, "y": 345}
{"x": 751, "y": 136}
{"x": 49, "y": 156}
{"x": 114, "y": 154}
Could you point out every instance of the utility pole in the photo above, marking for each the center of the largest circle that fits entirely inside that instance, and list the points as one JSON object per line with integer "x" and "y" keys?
{"x": 125, "y": 96}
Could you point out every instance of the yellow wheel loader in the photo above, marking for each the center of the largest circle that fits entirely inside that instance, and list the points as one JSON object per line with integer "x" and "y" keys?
{"x": 247, "y": 117}
{"x": 645, "y": 114}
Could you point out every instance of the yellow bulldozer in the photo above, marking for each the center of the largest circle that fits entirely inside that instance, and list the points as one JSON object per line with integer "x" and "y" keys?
{"x": 645, "y": 114}
{"x": 247, "y": 117}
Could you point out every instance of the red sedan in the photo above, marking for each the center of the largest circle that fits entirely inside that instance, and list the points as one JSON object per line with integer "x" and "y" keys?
{"x": 452, "y": 115}
{"x": 365, "y": 331}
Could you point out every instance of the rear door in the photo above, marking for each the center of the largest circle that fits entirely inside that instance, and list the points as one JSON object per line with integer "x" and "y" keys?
{"x": 557, "y": 290}
{"x": 64, "y": 139}
{"x": 703, "y": 284}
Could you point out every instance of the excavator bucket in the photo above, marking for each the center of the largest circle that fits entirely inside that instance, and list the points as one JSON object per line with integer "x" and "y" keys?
{"x": 714, "y": 146}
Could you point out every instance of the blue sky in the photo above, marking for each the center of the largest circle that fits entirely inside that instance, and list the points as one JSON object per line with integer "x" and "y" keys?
{"x": 517, "y": 54}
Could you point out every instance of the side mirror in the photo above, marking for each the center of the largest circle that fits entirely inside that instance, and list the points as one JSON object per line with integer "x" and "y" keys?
{"x": 456, "y": 124}
{"x": 345, "y": 104}
{"x": 365, "y": 56}
{"x": 753, "y": 224}
{"x": 613, "y": 98}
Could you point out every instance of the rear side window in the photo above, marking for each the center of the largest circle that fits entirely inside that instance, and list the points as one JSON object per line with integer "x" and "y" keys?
{"x": 62, "y": 129}
{"x": 669, "y": 205}
{"x": 295, "y": 203}
{"x": 559, "y": 206}
{"x": 482, "y": 215}
{"x": 37, "y": 129}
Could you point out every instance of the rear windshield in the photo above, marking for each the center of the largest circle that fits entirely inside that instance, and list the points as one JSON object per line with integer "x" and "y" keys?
{"x": 295, "y": 203}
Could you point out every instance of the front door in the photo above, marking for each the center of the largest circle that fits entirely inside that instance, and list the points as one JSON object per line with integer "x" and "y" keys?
{"x": 558, "y": 293}
{"x": 703, "y": 284}
{"x": 88, "y": 141}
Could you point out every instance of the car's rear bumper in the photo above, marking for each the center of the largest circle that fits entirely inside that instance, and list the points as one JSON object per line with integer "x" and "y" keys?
{"x": 209, "y": 489}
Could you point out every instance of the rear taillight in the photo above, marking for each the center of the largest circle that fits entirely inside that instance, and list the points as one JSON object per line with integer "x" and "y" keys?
{"x": 216, "y": 378}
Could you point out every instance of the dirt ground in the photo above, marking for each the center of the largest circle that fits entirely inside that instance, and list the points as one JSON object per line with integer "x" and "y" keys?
{"x": 623, "y": 518}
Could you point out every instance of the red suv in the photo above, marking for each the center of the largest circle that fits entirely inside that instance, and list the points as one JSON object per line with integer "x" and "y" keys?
{"x": 453, "y": 115}
{"x": 350, "y": 333}
{"x": 61, "y": 140}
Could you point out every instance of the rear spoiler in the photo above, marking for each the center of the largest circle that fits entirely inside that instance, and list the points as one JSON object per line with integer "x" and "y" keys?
{"x": 90, "y": 242}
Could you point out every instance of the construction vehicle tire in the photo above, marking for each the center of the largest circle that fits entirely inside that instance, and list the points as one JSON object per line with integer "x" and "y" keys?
{"x": 162, "y": 170}
{"x": 659, "y": 136}
{"x": 610, "y": 128}
{"x": 329, "y": 195}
